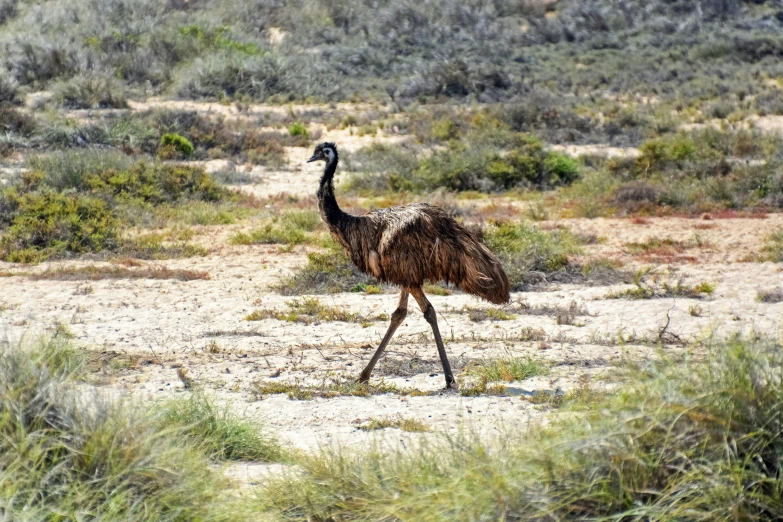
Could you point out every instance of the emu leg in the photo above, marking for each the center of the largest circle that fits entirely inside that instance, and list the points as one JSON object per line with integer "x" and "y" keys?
{"x": 430, "y": 316}
{"x": 396, "y": 318}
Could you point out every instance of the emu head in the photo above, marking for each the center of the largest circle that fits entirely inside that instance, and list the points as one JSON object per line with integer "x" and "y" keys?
{"x": 324, "y": 151}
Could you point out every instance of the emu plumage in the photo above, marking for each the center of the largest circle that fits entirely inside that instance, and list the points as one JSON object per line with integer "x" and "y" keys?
{"x": 408, "y": 246}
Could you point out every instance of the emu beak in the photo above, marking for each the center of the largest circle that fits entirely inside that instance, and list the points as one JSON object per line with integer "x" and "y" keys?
{"x": 312, "y": 159}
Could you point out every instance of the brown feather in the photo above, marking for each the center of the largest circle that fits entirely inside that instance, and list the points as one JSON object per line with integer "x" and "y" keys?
{"x": 420, "y": 243}
{"x": 412, "y": 244}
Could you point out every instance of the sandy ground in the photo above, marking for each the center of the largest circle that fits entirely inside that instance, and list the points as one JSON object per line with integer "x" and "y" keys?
{"x": 199, "y": 326}
{"x": 144, "y": 332}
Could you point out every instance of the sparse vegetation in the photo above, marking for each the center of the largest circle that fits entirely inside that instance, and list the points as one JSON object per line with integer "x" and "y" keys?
{"x": 325, "y": 273}
{"x": 773, "y": 295}
{"x": 329, "y": 388}
{"x": 660, "y": 289}
{"x": 109, "y": 460}
{"x": 773, "y": 248}
{"x": 640, "y": 452}
{"x": 291, "y": 228}
{"x": 488, "y": 314}
{"x": 514, "y": 117}
{"x": 307, "y": 310}
{"x": 99, "y": 272}
{"x": 217, "y": 430}
{"x": 401, "y": 423}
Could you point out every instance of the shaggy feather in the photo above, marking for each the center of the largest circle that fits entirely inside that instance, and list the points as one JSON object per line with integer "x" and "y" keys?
{"x": 411, "y": 245}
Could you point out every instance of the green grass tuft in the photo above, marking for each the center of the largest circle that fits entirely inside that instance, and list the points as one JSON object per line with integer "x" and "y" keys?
{"x": 217, "y": 431}
{"x": 507, "y": 369}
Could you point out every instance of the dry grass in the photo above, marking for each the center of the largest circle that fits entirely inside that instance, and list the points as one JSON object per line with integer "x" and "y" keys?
{"x": 487, "y": 314}
{"x": 99, "y": 272}
{"x": 484, "y": 376}
{"x": 400, "y": 423}
{"x": 329, "y": 388}
{"x": 661, "y": 289}
{"x": 310, "y": 310}
{"x": 773, "y": 295}
{"x": 684, "y": 440}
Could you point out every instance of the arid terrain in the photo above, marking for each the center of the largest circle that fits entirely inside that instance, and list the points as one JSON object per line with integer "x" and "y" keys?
{"x": 154, "y": 336}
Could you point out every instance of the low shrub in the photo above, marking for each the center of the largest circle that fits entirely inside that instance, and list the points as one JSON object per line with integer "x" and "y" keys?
{"x": 13, "y": 121}
{"x": 155, "y": 183}
{"x": 543, "y": 251}
{"x": 298, "y": 129}
{"x": 467, "y": 167}
{"x": 699, "y": 171}
{"x": 47, "y": 224}
{"x": 66, "y": 170}
{"x": 325, "y": 273}
{"x": 91, "y": 92}
{"x": 75, "y": 202}
{"x": 173, "y": 145}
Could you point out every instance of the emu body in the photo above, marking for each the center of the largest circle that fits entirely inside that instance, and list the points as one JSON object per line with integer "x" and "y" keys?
{"x": 408, "y": 246}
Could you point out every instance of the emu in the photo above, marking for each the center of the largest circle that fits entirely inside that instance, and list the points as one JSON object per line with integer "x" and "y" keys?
{"x": 408, "y": 246}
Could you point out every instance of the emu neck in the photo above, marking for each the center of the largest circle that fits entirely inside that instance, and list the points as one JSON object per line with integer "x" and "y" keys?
{"x": 327, "y": 204}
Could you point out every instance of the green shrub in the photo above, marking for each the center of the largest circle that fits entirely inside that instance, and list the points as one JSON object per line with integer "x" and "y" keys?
{"x": 173, "y": 144}
{"x": 49, "y": 224}
{"x": 298, "y": 129}
{"x": 445, "y": 130}
{"x": 74, "y": 202}
{"x": 466, "y": 166}
{"x": 698, "y": 172}
{"x": 155, "y": 183}
{"x": 563, "y": 169}
{"x": 540, "y": 250}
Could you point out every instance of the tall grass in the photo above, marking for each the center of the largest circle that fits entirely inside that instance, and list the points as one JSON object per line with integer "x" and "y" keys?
{"x": 68, "y": 453}
{"x": 682, "y": 440}
{"x": 219, "y": 431}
